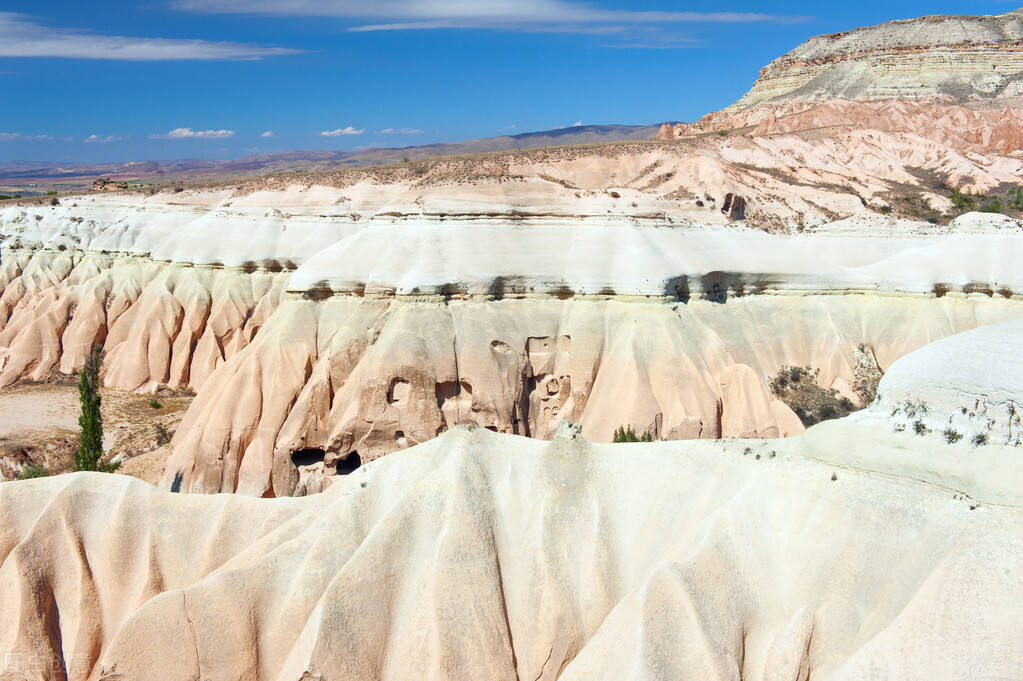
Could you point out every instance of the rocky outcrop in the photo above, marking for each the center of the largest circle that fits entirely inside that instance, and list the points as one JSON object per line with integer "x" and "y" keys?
{"x": 954, "y": 80}
{"x": 479, "y": 555}
{"x": 357, "y": 338}
{"x": 959, "y": 57}
{"x": 362, "y": 378}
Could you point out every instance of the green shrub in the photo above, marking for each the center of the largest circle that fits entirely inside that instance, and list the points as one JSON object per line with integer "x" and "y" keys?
{"x": 162, "y": 434}
{"x": 627, "y": 434}
{"x": 995, "y": 206}
{"x": 33, "y": 471}
{"x": 154, "y": 403}
{"x": 1017, "y": 199}
{"x": 962, "y": 201}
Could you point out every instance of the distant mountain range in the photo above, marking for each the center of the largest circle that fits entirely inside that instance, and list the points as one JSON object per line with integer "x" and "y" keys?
{"x": 38, "y": 177}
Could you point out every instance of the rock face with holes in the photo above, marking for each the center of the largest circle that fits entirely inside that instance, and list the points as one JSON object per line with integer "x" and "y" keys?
{"x": 396, "y": 330}
{"x": 481, "y": 555}
{"x": 368, "y": 376}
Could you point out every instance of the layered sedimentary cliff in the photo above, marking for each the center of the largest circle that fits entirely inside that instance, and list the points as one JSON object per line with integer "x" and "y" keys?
{"x": 961, "y": 57}
{"x": 482, "y": 555}
{"x": 320, "y": 339}
{"x": 954, "y": 80}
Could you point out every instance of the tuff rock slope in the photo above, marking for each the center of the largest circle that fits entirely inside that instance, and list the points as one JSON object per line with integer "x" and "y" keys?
{"x": 311, "y": 331}
{"x": 854, "y": 551}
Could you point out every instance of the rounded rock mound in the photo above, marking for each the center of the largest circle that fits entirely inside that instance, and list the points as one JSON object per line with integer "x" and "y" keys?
{"x": 967, "y": 385}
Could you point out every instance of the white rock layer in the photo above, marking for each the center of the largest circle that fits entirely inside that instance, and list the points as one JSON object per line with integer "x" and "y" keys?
{"x": 480, "y": 555}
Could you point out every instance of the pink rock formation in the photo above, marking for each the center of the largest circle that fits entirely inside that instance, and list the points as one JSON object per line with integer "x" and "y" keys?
{"x": 487, "y": 556}
{"x": 161, "y": 325}
{"x": 364, "y": 377}
{"x": 983, "y": 126}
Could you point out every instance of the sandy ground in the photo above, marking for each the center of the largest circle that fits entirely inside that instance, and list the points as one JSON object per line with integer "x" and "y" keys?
{"x": 39, "y": 424}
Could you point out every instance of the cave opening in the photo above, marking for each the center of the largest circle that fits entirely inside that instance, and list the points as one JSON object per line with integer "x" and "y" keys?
{"x": 348, "y": 464}
{"x": 308, "y": 457}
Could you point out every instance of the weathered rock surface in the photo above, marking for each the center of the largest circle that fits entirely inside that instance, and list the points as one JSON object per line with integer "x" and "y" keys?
{"x": 350, "y": 376}
{"x": 954, "y": 80}
{"x": 988, "y": 126}
{"x": 482, "y": 555}
{"x": 960, "y": 56}
{"x": 361, "y": 337}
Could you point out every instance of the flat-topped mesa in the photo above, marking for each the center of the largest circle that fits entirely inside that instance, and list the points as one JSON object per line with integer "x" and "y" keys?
{"x": 957, "y": 80}
{"x": 959, "y": 57}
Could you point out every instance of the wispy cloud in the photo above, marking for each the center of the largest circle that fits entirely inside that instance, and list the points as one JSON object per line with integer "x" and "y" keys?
{"x": 342, "y": 131}
{"x": 12, "y": 136}
{"x": 269, "y": 133}
{"x": 96, "y": 139}
{"x": 562, "y": 16}
{"x": 507, "y": 128}
{"x": 401, "y": 131}
{"x": 188, "y": 133}
{"x": 21, "y": 37}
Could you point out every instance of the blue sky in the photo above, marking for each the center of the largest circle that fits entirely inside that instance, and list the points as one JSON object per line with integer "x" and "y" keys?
{"x": 161, "y": 79}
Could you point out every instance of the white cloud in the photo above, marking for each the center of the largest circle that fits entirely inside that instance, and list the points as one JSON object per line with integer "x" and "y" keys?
{"x": 11, "y": 136}
{"x": 342, "y": 131}
{"x": 20, "y": 37}
{"x": 507, "y": 128}
{"x": 401, "y": 131}
{"x": 188, "y": 133}
{"x": 103, "y": 140}
{"x": 269, "y": 133}
{"x": 522, "y": 15}
{"x": 576, "y": 124}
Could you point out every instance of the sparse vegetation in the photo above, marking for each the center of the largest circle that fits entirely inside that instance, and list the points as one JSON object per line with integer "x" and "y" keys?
{"x": 866, "y": 375}
{"x": 994, "y": 206}
{"x": 163, "y": 436}
{"x": 33, "y": 471}
{"x": 798, "y": 388}
{"x": 1016, "y": 200}
{"x": 961, "y": 200}
{"x": 952, "y": 436}
{"x": 980, "y": 439}
{"x": 627, "y": 434}
{"x": 920, "y": 428}
{"x": 154, "y": 403}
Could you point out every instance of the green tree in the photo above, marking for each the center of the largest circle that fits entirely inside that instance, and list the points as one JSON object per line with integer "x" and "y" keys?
{"x": 627, "y": 434}
{"x": 90, "y": 451}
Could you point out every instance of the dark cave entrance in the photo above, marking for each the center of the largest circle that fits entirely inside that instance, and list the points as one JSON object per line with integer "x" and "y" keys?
{"x": 308, "y": 457}
{"x": 348, "y": 464}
